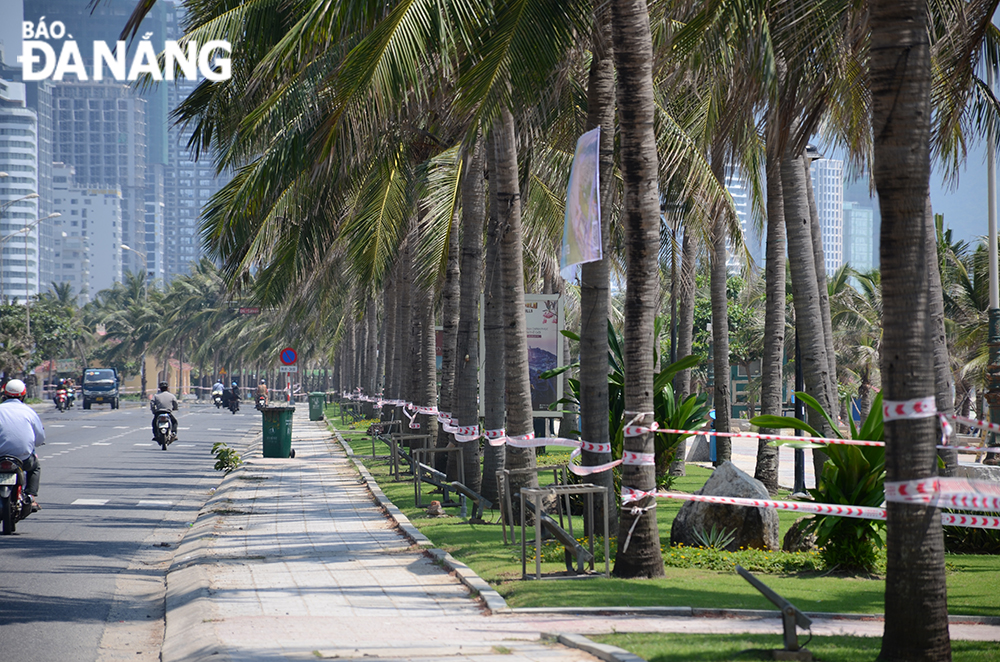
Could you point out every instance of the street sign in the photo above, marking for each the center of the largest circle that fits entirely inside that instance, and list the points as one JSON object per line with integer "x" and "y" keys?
{"x": 288, "y": 368}
{"x": 288, "y": 356}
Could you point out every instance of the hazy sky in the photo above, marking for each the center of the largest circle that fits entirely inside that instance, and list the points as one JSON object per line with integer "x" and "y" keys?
{"x": 964, "y": 209}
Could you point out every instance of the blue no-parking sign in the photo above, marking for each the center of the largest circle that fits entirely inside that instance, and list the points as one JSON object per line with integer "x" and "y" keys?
{"x": 288, "y": 356}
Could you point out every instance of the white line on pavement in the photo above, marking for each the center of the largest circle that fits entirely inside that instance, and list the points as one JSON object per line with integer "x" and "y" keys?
{"x": 89, "y": 502}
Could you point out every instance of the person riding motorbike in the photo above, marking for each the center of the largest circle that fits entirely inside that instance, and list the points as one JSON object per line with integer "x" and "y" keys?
{"x": 261, "y": 391}
{"x": 230, "y": 394}
{"x": 217, "y": 390}
{"x": 21, "y": 431}
{"x": 70, "y": 390}
{"x": 164, "y": 401}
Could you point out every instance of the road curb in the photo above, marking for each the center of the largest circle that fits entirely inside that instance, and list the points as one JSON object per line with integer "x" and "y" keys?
{"x": 189, "y": 633}
{"x": 479, "y": 586}
{"x": 601, "y": 651}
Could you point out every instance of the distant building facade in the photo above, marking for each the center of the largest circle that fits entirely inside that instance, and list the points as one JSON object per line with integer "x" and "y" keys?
{"x": 88, "y": 234}
{"x": 828, "y": 189}
{"x": 859, "y": 244}
{"x": 19, "y": 159}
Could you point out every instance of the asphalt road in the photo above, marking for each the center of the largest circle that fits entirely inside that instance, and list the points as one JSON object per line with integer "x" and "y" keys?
{"x": 82, "y": 579}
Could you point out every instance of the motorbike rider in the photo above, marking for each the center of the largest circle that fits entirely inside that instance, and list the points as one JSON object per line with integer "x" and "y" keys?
{"x": 20, "y": 432}
{"x": 164, "y": 401}
{"x": 231, "y": 394}
{"x": 261, "y": 390}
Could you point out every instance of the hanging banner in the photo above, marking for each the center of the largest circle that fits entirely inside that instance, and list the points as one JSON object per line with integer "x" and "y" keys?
{"x": 542, "y": 315}
{"x": 582, "y": 226}
{"x": 543, "y": 321}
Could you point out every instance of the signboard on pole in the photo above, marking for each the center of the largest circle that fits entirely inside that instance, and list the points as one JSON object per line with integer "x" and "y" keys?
{"x": 288, "y": 368}
{"x": 288, "y": 356}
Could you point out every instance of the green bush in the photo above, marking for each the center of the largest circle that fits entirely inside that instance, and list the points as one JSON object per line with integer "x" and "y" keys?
{"x": 226, "y": 458}
{"x": 851, "y": 476}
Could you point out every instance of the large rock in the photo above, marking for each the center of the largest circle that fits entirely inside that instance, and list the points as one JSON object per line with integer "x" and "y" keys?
{"x": 700, "y": 451}
{"x": 796, "y": 538}
{"x": 754, "y": 527}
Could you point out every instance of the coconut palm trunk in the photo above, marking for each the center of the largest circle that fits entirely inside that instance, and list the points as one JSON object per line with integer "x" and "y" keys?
{"x": 944, "y": 390}
{"x": 720, "y": 320}
{"x": 466, "y": 398}
{"x": 450, "y": 293}
{"x": 821, "y": 288}
{"x": 916, "y": 611}
{"x": 426, "y": 383}
{"x": 494, "y": 371}
{"x": 766, "y": 470}
{"x": 595, "y": 276}
{"x": 638, "y": 539}
{"x": 518, "y": 383}
{"x": 371, "y": 347}
{"x": 685, "y": 330}
{"x": 805, "y": 297}
{"x": 389, "y": 346}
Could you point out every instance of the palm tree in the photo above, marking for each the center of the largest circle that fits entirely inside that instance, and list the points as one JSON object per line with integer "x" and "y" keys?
{"x": 640, "y": 217}
{"x": 916, "y": 625}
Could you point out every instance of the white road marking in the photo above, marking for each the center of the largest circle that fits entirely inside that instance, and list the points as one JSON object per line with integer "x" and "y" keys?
{"x": 121, "y": 427}
{"x": 89, "y": 502}
{"x": 156, "y": 503}
{"x": 88, "y": 426}
{"x": 57, "y": 425}
{"x": 183, "y": 428}
{"x": 143, "y": 443}
{"x": 185, "y": 445}
{"x": 101, "y": 443}
{"x": 214, "y": 429}
{"x": 57, "y": 443}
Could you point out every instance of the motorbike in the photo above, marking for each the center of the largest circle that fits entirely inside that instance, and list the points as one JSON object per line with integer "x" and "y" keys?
{"x": 217, "y": 399}
{"x": 164, "y": 430}
{"x": 234, "y": 405}
{"x": 15, "y": 504}
{"x": 261, "y": 402}
{"x": 62, "y": 400}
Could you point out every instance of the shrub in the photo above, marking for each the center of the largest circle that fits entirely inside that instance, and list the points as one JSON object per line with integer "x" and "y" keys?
{"x": 851, "y": 476}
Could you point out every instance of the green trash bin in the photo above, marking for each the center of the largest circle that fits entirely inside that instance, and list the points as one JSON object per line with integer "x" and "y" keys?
{"x": 278, "y": 431}
{"x": 316, "y": 406}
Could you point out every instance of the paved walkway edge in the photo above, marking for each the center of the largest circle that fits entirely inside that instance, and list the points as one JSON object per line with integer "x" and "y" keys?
{"x": 602, "y": 651}
{"x": 479, "y": 587}
{"x": 189, "y": 635}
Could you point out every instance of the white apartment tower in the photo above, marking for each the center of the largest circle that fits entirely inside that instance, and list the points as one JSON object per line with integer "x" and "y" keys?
{"x": 828, "y": 188}
{"x": 18, "y": 195}
{"x": 88, "y": 234}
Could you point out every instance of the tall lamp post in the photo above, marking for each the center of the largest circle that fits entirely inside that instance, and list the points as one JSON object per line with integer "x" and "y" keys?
{"x": 145, "y": 298}
{"x": 3, "y": 208}
{"x": 27, "y": 281}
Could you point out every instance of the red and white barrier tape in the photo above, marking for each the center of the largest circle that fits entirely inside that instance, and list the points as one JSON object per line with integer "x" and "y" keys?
{"x": 893, "y": 410}
{"x": 630, "y": 495}
{"x": 957, "y": 493}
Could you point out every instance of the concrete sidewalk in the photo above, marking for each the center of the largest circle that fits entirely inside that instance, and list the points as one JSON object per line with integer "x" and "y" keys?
{"x": 300, "y": 559}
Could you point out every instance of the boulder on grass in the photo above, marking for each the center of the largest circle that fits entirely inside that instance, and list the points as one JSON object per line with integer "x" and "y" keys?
{"x": 752, "y": 527}
{"x": 700, "y": 451}
{"x": 797, "y": 539}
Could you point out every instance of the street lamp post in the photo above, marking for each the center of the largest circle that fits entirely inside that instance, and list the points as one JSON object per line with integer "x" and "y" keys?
{"x": 3, "y": 208}
{"x": 145, "y": 298}
{"x": 27, "y": 290}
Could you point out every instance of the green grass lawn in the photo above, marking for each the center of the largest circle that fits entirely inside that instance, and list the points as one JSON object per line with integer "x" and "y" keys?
{"x": 694, "y": 577}
{"x": 744, "y": 647}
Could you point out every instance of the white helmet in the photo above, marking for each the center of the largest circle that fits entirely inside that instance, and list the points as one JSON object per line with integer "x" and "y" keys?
{"x": 15, "y": 388}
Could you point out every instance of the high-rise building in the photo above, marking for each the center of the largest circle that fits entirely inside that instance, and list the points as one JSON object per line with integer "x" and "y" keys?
{"x": 18, "y": 194}
{"x": 88, "y": 236}
{"x": 95, "y": 110}
{"x": 828, "y": 189}
{"x": 859, "y": 248}
{"x": 101, "y": 132}
{"x": 188, "y": 183}
{"x": 736, "y": 184}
